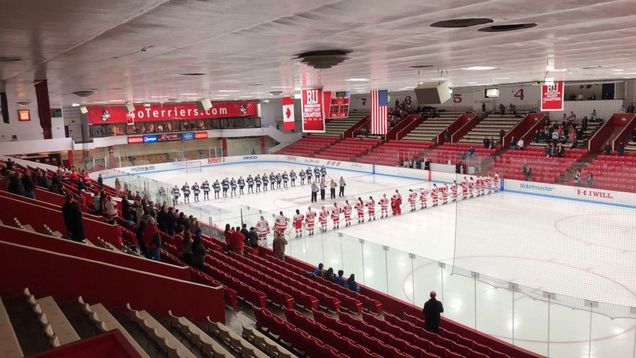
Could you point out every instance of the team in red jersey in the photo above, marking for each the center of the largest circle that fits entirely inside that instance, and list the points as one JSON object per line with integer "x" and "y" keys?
{"x": 346, "y": 210}
{"x": 412, "y": 199}
{"x": 323, "y": 217}
{"x": 359, "y": 206}
{"x": 384, "y": 206}
{"x": 262, "y": 229}
{"x": 310, "y": 220}
{"x": 298, "y": 223}
{"x": 371, "y": 208}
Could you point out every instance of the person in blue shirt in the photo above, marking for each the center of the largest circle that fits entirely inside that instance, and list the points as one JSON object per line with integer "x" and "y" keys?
{"x": 319, "y": 269}
{"x": 353, "y": 285}
{"x": 340, "y": 280}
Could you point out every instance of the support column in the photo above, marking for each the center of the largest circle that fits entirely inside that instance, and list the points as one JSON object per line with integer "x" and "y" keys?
{"x": 44, "y": 108}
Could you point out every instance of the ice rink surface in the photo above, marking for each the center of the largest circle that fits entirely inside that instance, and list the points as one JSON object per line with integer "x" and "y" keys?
{"x": 572, "y": 248}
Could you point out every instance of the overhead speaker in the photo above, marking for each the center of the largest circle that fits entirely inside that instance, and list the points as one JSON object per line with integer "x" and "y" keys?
{"x": 130, "y": 108}
{"x": 83, "y": 109}
{"x": 432, "y": 92}
{"x": 204, "y": 104}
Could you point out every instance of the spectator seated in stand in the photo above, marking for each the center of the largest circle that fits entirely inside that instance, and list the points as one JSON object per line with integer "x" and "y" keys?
{"x": 340, "y": 280}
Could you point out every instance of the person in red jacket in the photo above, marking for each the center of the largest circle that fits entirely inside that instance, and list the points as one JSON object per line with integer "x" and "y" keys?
{"x": 227, "y": 234}
{"x": 152, "y": 239}
{"x": 238, "y": 241}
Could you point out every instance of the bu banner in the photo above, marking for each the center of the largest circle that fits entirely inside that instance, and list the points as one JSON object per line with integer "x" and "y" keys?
{"x": 312, "y": 111}
{"x": 552, "y": 96}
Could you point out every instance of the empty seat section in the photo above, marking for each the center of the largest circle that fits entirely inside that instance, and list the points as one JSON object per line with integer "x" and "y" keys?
{"x": 544, "y": 169}
{"x": 308, "y": 146}
{"x": 390, "y": 153}
{"x": 348, "y": 149}
{"x": 490, "y": 127}
{"x": 612, "y": 172}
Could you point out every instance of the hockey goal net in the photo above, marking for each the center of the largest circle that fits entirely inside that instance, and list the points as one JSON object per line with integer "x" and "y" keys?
{"x": 193, "y": 166}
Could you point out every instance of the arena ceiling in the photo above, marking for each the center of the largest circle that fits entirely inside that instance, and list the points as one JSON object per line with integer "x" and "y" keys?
{"x": 158, "y": 50}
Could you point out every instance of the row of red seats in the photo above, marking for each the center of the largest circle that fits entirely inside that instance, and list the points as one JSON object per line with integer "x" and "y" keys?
{"x": 298, "y": 338}
{"x": 613, "y": 172}
{"x": 330, "y": 299}
{"x": 248, "y": 293}
{"x": 349, "y": 299}
{"x": 348, "y": 149}
{"x": 308, "y": 145}
{"x": 335, "y": 339}
{"x": 362, "y": 337}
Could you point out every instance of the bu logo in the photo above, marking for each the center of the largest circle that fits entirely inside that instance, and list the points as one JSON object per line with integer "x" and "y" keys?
{"x": 552, "y": 88}
{"x": 312, "y": 96}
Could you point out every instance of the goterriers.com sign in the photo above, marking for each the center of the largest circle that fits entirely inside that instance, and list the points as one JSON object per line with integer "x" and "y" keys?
{"x": 169, "y": 112}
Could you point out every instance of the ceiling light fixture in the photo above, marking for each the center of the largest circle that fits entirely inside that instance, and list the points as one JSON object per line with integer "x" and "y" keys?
{"x": 228, "y": 91}
{"x": 188, "y": 94}
{"x": 558, "y": 70}
{"x": 357, "y": 80}
{"x": 75, "y": 105}
{"x": 281, "y": 87}
{"x": 618, "y": 70}
{"x": 479, "y": 68}
{"x": 222, "y": 95}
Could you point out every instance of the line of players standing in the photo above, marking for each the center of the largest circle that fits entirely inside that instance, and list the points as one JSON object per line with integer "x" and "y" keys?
{"x": 438, "y": 196}
{"x": 229, "y": 187}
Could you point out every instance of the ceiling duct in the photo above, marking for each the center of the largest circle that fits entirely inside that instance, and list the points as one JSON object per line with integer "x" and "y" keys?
{"x": 83, "y": 93}
{"x": 323, "y": 59}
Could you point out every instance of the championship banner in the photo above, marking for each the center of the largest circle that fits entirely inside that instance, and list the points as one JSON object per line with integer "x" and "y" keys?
{"x": 326, "y": 99}
{"x": 552, "y": 96}
{"x": 169, "y": 112}
{"x": 289, "y": 122}
{"x": 313, "y": 120}
{"x": 339, "y": 105}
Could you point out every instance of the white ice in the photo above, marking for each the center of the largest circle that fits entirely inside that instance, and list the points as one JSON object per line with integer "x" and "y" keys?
{"x": 570, "y": 248}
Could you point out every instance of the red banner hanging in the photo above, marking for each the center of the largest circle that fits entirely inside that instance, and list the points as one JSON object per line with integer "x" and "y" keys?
{"x": 552, "y": 96}
{"x": 312, "y": 111}
{"x": 168, "y": 112}
{"x": 289, "y": 122}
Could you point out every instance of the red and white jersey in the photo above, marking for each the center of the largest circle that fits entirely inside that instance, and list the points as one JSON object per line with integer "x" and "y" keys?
{"x": 280, "y": 225}
{"x": 262, "y": 228}
{"x": 471, "y": 186}
{"x": 347, "y": 211}
{"x": 412, "y": 198}
{"x": 423, "y": 196}
{"x": 384, "y": 203}
{"x": 434, "y": 193}
{"x": 371, "y": 207}
{"x": 453, "y": 190}
{"x": 335, "y": 215}
{"x": 496, "y": 181}
{"x": 359, "y": 208}
{"x": 479, "y": 184}
{"x": 298, "y": 221}
{"x": 489, "y": 183}
{"x": 323, "y": 217}
{"x": 310, "y": 219}
{"x": 444, "y": 191}
{"x": 464, "y": 186}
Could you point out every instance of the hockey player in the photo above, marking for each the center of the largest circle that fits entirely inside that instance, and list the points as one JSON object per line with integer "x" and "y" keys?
{"x": 257, "y": 183}
{"x": 292, "y": 177}
{"x": 397, "y": 200}
{"x": 280, "y": 225}
{"x": 272, "y": 181}
{"x": 478, "y": 186}
{"x": 196, "y": 190}
{"x": 346, "y": 209}
{"x": 471, "y": 187}
{"x": 434, "y": 194}
{"x": 225, "y": 184}
{"x": 279, "y": 180}
{"x": 495, "y": 181}
{"x": 285, "y": 177}
{"x": 241, "y": 185}
{"x": 216, "y": 186}
{"x": 359, "y": 206}
{"x": 444, "y": 192}
{"x": 464, "y": 185}
{"x": 298, "y": 223}
{"x": 206, "y": 190}
{"x": 335, "y": 216}
{"x": 489, "y": 184}
{"x": 412, "y": 199}
{"x": 370, "y": 208}
{"x": 162, "y": 195}
{"x": 423, "y": 197}
{"x": 186, "y": 193}
{"x": 250, "y": 184}
{"x": 265, "y": 182}
{"x": 301, "y": 174}
{"x": 453, "y": 191}
{"x": 322, "y": 218}
{"x": 317, "y": 173}
{"x": 310, "y": 220}
{"x": 384, "y": 206}
{"x": 175, "y": 195}
{"x": 233, "y": 187}
{"x": 262, "y": 230}
{"x": 323, "y": 171}
{"x": 309, "y": 174}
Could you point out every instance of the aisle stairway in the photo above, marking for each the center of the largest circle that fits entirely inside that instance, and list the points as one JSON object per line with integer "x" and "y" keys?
{"x": 430, "y": 128}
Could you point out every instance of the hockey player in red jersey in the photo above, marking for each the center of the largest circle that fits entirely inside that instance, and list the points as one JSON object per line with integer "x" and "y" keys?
{"x": 359, "y": 206}
{"x": 335, "y": 216}
{"x": 280, "y": 225}
{"x": 464, "y": 185}
{"x": 396, "y": 203}
{"x": 496, "y": 182}
{"x": 453, "y": 191}
{"x": 423, "y": 197}
{"x": 471, "y": 187}
{"x": 298, "y": 223}
{"x": 370, "y": 208}
{"x": 412, "y": 199}
{"x": 434, "y": 194}
{"x": 346, "y": 210}
{"x": 323, "y": 218}
{"x": 444, "y": 191}
{"x": 384, "y": 206}
{"x": 310, "y": 220}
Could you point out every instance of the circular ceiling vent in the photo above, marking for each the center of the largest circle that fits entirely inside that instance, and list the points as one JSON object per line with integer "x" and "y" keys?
{"x": 455, "y": 23}
{"x": 83, "y": 93}
{"x": 323, "y": 59}
{"x": 509, "y": 27}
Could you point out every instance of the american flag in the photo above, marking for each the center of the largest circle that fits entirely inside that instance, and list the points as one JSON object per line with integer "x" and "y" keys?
{"x": 379, "y": 111}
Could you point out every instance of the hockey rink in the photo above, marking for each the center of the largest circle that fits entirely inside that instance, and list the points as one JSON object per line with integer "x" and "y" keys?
{"x": 487, "y": 246}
